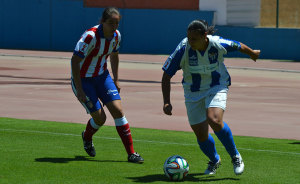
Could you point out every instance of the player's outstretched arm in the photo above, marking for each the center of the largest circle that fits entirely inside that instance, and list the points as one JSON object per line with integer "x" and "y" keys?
{"x": 254, "y": 54}
{"x": 166, "y": 90}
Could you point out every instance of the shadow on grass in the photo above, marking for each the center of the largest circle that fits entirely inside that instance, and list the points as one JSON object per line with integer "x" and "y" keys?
{"x": 76, "y": 158}
{"x": 190, "y": 177}
{"x": 294, "y": 142}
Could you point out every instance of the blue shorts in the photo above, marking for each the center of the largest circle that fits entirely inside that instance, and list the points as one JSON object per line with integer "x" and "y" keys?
{"x": 101, "y": 87}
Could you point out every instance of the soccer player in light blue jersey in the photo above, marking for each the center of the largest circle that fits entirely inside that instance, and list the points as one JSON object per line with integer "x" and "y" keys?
{"x": 205, "y": 83}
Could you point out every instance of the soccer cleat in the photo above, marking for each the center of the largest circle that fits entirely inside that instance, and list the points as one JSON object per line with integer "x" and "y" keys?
{"x": 212, "y": 167}
{"x": 238, "y": 164}
{"x": 135, "y": 158}
{"x": 88, "y": 146}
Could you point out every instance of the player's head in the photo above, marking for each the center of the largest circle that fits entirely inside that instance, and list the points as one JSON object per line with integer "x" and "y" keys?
{"x": 197, "y": 32}
{"x": 110, "y": 20}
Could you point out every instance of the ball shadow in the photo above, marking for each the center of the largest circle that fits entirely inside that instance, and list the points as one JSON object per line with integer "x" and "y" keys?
{"x": 190, "y": 177}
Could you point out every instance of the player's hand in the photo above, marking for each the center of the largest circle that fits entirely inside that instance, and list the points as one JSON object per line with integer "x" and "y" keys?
{"x": 81, "y": 96}
{"x": 118, "y": 86}
{"x": 167, "y": 109}
{"x": 255, "y": 55}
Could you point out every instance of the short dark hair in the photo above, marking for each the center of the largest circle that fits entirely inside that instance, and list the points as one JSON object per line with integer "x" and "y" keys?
{"x": 202, "y": 27}
{"x": 107, "y": 13}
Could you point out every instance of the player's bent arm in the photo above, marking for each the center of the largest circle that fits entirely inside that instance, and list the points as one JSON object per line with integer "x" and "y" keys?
{"x": 166, "y": 87}
{"x": 75, "y": 64}
{"x": 114, "y": 62}
{"x": 166, "y": 90}
{"x": 254, "y": 54}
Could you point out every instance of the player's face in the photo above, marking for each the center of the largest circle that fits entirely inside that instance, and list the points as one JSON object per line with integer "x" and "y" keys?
{"x": 111, "y": 25}
{"x": 196, "y": 40}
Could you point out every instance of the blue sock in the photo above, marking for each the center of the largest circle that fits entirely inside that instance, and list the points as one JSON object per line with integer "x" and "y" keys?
{"x": 226, "y": 138}
{"x": 209, "y": 149}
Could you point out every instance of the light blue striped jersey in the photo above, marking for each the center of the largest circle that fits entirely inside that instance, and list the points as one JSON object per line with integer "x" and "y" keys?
{"x": 201, "y": 70}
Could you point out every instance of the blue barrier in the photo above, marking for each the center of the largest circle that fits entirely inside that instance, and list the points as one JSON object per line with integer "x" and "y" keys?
{"x": 25, "y": 25}
{"x": 273, "y": 43}
{"x": 58, "y": 24}
{"x": 157, "y": 31}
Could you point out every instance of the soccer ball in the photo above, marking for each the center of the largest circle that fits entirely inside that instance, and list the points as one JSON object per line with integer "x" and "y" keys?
{"x": 176, "y": 168}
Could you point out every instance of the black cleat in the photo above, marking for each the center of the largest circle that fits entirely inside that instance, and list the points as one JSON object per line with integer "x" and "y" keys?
{"x": 212, "y": 167}
{"x": 88, "y": 146}
{"x": 135, "y": 158}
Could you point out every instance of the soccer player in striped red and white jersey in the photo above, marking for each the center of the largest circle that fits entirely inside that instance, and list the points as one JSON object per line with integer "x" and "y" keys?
{"x": 92, "y": 83}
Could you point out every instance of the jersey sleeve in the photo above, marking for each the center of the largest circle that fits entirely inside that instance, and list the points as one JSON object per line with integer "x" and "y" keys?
{"x": 86, "y": 42}
{"x": 172, "y": 64}
{"x": 230, "y": 45}
{"x": 118, "y": 41}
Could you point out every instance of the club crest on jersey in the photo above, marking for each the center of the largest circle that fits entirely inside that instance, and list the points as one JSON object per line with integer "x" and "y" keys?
{"x": 193, "y": 59}
{"x": 167, "y": 63}
{"x": 84, "y": 47}
{"x": 213, "y": 55}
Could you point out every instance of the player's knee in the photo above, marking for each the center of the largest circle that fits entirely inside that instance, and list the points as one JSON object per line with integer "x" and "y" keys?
{"x": 117, "y": 113}
{"x": 215, "y": 122}
{"x": 99, "y": 119}
{"x": 100, "y": 122}
{"x": 214, "y": 119}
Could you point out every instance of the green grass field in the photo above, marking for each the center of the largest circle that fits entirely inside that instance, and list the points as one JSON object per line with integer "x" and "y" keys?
{"x": 51, "y": 152}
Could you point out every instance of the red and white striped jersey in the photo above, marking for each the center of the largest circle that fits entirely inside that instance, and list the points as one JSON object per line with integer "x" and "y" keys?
{"x": 94, "y": 48}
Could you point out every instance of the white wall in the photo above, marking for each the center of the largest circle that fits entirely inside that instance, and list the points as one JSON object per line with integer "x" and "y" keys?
{"x": 243, "y": 12}
{"x": 233, "y": 12}
{"x": 219, "y": 6}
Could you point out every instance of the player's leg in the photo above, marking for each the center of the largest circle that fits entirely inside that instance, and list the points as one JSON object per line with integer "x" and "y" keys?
{"x": 97, "y": 120}
{"x": 93, "y": 125}
{"x": 216, "y": 105}
{"x": 123, "y": 130}
{"x": 94, "y": 108}
{"x": 221, "y": 129}
{"x": 109, "y": 95}
{"x": 197, "y": 118}
{"x": 207, "y": 145}
{"x": 122, "y": 125}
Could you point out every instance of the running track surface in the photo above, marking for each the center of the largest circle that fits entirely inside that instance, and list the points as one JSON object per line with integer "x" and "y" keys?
{"x": 263, "y": 99}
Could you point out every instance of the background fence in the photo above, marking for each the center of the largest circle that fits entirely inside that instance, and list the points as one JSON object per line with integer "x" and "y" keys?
{"x": 288, "y": 13}
{"x": 58, "y": 24}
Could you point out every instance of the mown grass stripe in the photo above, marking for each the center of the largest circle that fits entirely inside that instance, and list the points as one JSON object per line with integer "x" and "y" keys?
{"x": 145, "y": 141}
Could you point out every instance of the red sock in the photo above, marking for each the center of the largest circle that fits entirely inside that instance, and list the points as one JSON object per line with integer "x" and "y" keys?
{"x": 89, "y": 131}
{"x": 125, "y": 135}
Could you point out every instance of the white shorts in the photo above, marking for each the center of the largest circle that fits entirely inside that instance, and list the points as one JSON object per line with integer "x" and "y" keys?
{"x": 196, "y": 111}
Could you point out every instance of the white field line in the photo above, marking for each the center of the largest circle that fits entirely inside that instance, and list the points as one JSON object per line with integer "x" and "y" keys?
{"x": 147, "y": 141}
